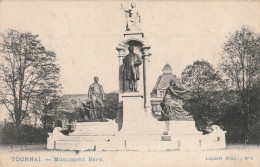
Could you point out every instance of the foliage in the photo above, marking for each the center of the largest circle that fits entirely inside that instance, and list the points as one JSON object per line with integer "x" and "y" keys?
{"x": 28, "y": 73}
{"x": 233, "y": 102}
{"x": 24, "y": 134}
{"x": 201, "y": 76}
{"x": 241, "y": 59}
{"x": 204, "y": 83}
{"x": 111, "y": 103}
{"x": 241, "y": 65}
{"x": 45, "y": 109}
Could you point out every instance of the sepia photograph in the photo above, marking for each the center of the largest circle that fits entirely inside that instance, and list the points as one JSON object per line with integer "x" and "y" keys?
{"x": 129, "y": 83}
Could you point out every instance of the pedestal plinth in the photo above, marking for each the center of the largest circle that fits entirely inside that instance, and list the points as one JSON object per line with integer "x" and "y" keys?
{"x": 133, "y": 113}
{"x": 85, "y": 137}
{"x": 95, "y": 128}
{"x": 181, "y": 128}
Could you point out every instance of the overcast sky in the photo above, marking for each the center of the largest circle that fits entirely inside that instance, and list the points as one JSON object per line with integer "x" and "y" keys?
{"x": 84, "y": 34}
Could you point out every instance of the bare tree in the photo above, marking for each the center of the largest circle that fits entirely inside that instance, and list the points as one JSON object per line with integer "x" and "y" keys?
{"x": 241, "y": 64}
{"x": 28, "y": 70}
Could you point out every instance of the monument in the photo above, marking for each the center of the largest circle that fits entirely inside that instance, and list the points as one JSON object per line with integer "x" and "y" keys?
{"x": 172, "y": 104}
{"x": 130, "y": 69}
{"x": 133, "y": 19}
{"x": 140, "y": 130}
{"x": 97, "y": 96}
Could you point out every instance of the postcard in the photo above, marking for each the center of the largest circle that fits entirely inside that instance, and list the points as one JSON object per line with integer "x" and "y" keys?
{"x": 129, "y": 83}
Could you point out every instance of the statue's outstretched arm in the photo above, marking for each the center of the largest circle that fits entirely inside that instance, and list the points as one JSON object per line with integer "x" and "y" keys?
{"x": 175, "y": 92}
{"x": 180, "y": 91}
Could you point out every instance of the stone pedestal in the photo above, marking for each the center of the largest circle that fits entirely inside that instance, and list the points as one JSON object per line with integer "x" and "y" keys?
{"x": 136, "y": 120}
{"x": 181, "y": 127}
{"x": 95, "y": 128}
{"x": 182, "y": 134}
{"x": 86, "y": 136}
{"x": 133, "y": 113}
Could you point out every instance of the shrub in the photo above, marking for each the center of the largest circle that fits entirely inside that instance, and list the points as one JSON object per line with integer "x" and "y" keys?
{"x": 24, "y": 134}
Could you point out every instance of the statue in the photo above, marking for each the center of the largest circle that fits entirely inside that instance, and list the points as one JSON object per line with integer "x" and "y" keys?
{"x": 172, "y": 104}
{"x": 133, "y": 19}
{"x": 86, "y": 107}
{"x": 130, "y": 69}
{"x": 97, "y": 96}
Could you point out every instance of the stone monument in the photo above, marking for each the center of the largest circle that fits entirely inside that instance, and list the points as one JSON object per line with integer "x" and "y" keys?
{"x": 140, "y": 130}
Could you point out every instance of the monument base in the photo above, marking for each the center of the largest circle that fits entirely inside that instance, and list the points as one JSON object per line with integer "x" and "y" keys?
{"x": 171, "y": 139}
{"x": 85, "y": 137}
{"x": 140, "y": 131}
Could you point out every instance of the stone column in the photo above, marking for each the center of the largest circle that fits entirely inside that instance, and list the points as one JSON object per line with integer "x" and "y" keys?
{"x": 145, "y": 57}
{"x": 121, "y": 55}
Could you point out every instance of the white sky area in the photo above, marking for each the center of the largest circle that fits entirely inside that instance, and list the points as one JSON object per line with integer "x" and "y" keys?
{"x": 84, "y": 34}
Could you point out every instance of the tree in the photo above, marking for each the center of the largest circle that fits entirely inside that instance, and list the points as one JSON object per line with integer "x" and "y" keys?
{"x": 201, "y": 76}
{"x": 241, "y": 65}
{"x": 47, "y": 101}
{"x": 27, "y": 73}
{"x": 45, "y": 106}
{"x": 204, "y": 83}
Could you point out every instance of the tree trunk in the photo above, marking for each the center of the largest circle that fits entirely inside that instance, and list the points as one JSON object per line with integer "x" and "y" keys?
{"x": 17, "y": 123}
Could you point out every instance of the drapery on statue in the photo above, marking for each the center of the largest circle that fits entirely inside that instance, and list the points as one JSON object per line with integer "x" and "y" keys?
{"x": 97, "y": 96}
{"x": 130, "y": 69}
{"x": 133, "y": 19}
{"x": 172, "y": 104}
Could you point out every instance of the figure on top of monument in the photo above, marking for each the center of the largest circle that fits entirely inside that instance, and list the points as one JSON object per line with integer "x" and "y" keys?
{"x": 133, "y": 18}
{"x": 97, "y": 96}
{"x": 172, "y": 103}
{"x": 130, "y": 69}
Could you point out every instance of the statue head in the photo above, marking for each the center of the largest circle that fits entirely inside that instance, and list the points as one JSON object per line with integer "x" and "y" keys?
{"x": 133, "y": 5}
{"x": 131, "y": 49}
{"x": 96, "y": 79}
{"x": 172, "y": 83}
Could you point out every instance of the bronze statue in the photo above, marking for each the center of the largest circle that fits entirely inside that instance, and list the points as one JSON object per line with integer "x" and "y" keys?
{"x": 97, "y": 96}
{"x": 172, "y": 103}
{"x": 130, "y": 69}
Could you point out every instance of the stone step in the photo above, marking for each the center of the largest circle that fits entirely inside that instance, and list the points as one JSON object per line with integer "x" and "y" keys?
{"x": 119, "y": 145}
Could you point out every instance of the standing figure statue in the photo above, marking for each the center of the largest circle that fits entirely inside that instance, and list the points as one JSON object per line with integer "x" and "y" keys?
{"x": 130, "y": 69}
{"x": 133, "y": 19}
{"x": 172, "y": 103}
{"x": 97, "y": 96}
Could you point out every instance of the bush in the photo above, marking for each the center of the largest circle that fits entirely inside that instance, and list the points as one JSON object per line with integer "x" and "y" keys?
{"x": 24, "y": 134}
{"x": 111, "y": 104}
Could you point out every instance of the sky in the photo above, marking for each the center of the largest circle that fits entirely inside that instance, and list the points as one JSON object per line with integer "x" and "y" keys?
{"x": 84, "y": 34}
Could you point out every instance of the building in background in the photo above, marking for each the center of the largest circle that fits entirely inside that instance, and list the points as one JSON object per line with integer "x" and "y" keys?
{"x": 158, "y": 92}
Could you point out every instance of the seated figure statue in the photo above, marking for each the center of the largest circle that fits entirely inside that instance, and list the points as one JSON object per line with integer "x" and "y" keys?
{"x": 172, "y": 104}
